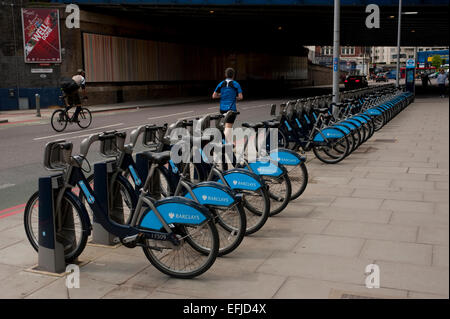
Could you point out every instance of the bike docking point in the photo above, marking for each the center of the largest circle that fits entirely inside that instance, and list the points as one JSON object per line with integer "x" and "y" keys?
{"x": 142, "y": 167}
{"x": 51, "y": 259}
{"x": 102, "y": 177}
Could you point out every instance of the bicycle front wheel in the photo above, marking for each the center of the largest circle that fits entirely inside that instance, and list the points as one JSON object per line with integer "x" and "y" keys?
{"x": 188, "y": 259}
{"x": 59, "y": 120}
{"x": 280, "y": 191}
{"x": 231, "y": 224}
{"x": 298, "y": 175}
{"x": 71, "y": 228}
{"x": 84, "y": 118}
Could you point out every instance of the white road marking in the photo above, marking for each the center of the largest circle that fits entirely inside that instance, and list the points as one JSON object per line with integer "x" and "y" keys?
{"x": 6, "y": 186}
{"x": 169, "y": 115}
{"x": 254, "y": 107}
{"x": 92, "y": 129}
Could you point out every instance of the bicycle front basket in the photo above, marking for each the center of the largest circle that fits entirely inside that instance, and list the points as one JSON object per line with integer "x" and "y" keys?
{"x": 57, "y": 155}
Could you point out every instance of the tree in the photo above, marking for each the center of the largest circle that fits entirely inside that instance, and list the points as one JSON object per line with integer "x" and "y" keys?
{"x": 436, "y": 61}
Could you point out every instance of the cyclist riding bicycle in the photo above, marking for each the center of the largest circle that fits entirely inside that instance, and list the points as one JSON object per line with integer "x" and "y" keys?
{"x": 71, "y": 91}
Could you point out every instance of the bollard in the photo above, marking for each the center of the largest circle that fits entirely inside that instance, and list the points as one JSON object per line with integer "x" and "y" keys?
{"x": 38, "y": 105}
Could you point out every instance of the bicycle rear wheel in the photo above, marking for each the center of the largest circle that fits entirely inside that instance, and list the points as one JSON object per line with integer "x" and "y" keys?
{"x": 231, "y": 224}
{"x": 257, "y": 209}
{"x": 334, "y": 152}
{"x": 187, "y": 260}
{"x": 59, "y": 120}
{"x": 71, "y": 230}
{"x": 84, "y": 118}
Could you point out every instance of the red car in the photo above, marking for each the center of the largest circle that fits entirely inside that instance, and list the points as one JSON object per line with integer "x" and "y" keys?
{"x": 356, "y": 82}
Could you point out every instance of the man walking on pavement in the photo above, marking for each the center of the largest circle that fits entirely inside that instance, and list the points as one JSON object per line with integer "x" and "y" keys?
{"x": 441, "y": 79}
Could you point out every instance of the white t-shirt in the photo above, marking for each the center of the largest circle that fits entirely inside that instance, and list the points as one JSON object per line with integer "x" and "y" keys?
{"x": 80, "y": 80}
{"x": 441, "y": 78}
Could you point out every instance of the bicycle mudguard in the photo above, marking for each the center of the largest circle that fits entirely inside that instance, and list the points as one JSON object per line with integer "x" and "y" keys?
{"x": 373, "y": 112}
{"x": 287, "y": 157}
{"x": 343, "y": 128}
{"x": 329, "y": 133}
{"x": 212, "y": 193}
{"x": 265, "y": 168}
{"x": 242, "y": 179}
{"x": 175, "y": 210}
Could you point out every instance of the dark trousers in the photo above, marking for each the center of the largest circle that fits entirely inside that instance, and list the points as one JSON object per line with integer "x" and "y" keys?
{"x": 442, "y": 89}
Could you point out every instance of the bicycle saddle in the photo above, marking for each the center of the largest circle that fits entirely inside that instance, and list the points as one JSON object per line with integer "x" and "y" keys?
{"x": 271, "y": 123}
{"x": 253, "y": 125}
{"x": 322, "y": 110}
{"x": 158, "y": 157}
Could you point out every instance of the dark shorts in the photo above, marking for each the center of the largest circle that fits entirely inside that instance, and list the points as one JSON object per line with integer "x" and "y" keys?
{"x": 74, "y": 98}
{"x": 231, "y": 119}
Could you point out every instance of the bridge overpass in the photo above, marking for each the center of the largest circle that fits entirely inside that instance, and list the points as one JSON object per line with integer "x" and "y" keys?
{"x": 283, "y": 25}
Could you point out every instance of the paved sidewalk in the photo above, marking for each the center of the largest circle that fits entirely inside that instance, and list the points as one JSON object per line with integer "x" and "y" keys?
{"x": 386, "y": 204}
{"x": 20, "y": 116}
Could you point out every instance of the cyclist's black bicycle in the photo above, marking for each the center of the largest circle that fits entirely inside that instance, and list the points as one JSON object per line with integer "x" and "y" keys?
{"x": 60, "y": 118}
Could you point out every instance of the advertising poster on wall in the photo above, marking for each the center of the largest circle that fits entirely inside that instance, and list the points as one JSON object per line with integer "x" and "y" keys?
{"x": 41, "y": 35}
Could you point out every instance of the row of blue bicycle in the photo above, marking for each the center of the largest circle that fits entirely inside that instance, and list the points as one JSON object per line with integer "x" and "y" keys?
{"x": 184, "y": 214}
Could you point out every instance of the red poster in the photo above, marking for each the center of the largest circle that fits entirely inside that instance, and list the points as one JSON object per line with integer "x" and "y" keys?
{"x": 41, "y": 35}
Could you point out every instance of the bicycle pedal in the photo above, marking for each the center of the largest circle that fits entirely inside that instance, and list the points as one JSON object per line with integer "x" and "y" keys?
{"x": 130, "y": 239}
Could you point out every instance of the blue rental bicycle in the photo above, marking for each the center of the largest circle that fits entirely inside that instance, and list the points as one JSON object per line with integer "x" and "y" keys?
{"x": 177, "y": 235}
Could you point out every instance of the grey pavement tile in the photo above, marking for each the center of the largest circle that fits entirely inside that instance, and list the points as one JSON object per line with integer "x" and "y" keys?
{"x": 383, "y": 170}
{"x": 55, "y": 290}
{"x": 436, "y": 196}
{"x": 388, "y": 193}
{"x": 408, "y": 206}
{"x": 150, "y": 277}
{"x": 296, "y": 209}
{"x": 440, "y": 256}
{"x": 21, "y": 284}
{"x": 333, "y": 268}
{"x": 332, "y": 180}
{"x": 316, "y": 200}
{"x": 226, "y": 284}
{"x": 425, "y": 279}
{"x": 291, "y": 227}
{"x": 383, "y": 163}
{"x": 397, "y": 176}
{"x": 418, "y": 219}
{"x": 359, "y": 215}
{"x": 421, "y": 170}
{"x": 419, "y": 164}
{"x": 433, "y": 235}
{"x": 7, "y": 270}
{"x": 442, "y": 208}
{"x": 329, "y": 245}
{"x": 320, "y": 189}
{"x": 306, "y": 288}
{"x": 372, "y": 231}
{"x": 6, "y": 241}
{"x": 441, "y": 185}
{"x": 126, "y": 292}
{"x": 115, "y": 268}
{"x": 413, "y": 185}
{"x": 372, "y": 183}
{"x": 357, "y": 203}
{"x": 412, "y": 253}
{"x": 90, "y": 288}
{"x": 20, "y": 254}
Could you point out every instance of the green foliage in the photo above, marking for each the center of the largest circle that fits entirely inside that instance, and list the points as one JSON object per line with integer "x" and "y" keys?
{"x": 436, "y": 61}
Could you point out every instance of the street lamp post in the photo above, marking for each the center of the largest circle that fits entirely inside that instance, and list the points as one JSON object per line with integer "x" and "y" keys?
{"x": 336, "y": 50}
{"x": 397, "y": 77}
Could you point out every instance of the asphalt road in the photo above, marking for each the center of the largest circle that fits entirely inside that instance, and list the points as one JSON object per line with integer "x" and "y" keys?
{"x": 22, "y": 145}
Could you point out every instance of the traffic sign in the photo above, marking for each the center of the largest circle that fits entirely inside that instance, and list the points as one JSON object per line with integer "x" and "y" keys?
{"x": 410, "y": 63}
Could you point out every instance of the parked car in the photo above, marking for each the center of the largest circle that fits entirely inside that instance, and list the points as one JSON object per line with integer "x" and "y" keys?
{"x": 355, "y": 82}
{"x": 381, "y": 77}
